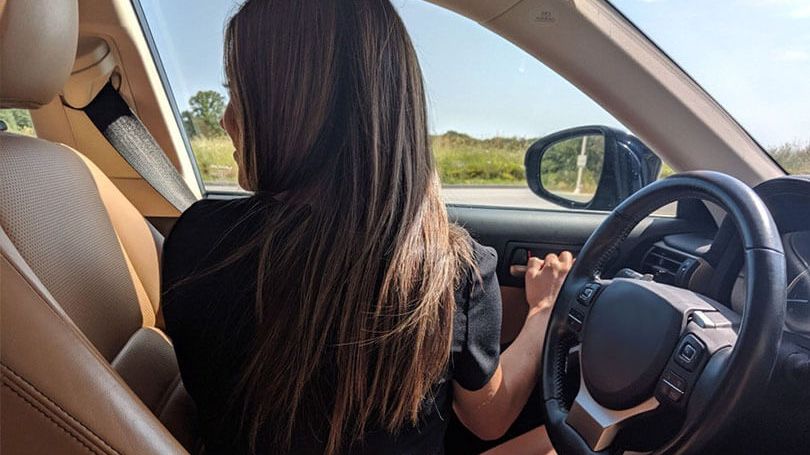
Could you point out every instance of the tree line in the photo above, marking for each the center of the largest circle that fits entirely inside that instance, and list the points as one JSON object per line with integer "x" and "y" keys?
{"x": 206, "y": 107}
{"x": 17, "y": 120}
{"x": 205, "y": 110}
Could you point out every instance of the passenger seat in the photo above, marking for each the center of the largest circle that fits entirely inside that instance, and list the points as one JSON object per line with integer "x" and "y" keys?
{"x": 84, "y": 365}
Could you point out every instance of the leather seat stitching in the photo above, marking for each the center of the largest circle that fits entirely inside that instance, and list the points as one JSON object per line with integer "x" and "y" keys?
{"x": 44, "y": 397}
{"x": 65, "y": 429}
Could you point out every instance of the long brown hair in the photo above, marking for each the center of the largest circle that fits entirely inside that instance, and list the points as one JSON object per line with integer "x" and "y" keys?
{"x": 331, "y": 109}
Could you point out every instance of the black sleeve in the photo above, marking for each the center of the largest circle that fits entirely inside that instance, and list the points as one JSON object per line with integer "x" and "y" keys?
{"x": 477, "y": 334}
{"x": 180, "y": 249}
{"x": 206, "y": 232}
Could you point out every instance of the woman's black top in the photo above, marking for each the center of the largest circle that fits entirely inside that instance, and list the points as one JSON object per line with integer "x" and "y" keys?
{"x": 210, "y": 321}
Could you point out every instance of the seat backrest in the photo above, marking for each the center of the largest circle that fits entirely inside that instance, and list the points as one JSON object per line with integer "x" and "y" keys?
{"x": 58, "y": 394}
{"x": 84, "y": 365}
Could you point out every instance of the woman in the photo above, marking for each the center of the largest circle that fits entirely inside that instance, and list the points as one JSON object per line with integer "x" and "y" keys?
{"x": 337, "y": 310}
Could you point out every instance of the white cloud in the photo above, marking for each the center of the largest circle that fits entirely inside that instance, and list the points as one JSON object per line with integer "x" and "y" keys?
{"x": 797, "y": 9}
{"x": 783, "y": 2}
{"x": 801, "y": 12}
{"x": 792, "y": 55}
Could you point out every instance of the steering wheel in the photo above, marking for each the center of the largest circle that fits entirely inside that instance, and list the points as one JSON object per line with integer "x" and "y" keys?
{"x": 651, "y": 360}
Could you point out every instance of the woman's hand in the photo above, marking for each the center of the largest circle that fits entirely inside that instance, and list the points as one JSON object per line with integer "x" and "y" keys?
{"x": 544, "y": 279}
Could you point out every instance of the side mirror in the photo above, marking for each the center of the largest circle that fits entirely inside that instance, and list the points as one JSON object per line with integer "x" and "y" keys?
{"x": 589, "y": 167}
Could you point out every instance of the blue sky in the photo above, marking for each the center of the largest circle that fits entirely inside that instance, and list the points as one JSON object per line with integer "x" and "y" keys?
{"x": 753, "y": 56}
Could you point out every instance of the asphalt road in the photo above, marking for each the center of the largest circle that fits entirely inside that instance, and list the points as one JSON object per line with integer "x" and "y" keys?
{"x": 475, "y": 195}
{"x": 488, "y": 195}
{"x": 495, "y": 196}
{"x": 514, "y": 197}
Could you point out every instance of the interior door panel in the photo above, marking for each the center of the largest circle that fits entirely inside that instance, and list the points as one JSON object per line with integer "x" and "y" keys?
{"x": 544, "y": 231}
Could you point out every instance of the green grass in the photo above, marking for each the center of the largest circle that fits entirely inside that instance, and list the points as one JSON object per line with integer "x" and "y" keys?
{"x": 215, "y": 159}
{"x": 18, "y": 121}
{"x": 461, "y": 159}
{"x": 794, "y": 157}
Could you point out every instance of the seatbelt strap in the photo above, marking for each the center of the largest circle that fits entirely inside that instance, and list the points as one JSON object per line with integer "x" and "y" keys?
{"x": 124, "y": 131}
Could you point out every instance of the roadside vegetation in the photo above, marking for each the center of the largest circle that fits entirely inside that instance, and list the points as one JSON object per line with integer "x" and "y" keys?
{"x": 461, "y": 159}
{"x": 17, "y": 121}
{"x": 794, "y": 157}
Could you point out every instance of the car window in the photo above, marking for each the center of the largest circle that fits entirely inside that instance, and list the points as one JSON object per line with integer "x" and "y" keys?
{"x": 488, "y": 101}
{"x": 753, "y": 56}
{"x": 17, "y": 121}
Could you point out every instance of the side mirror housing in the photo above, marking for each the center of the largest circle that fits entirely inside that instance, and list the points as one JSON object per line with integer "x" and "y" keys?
{"x": 589, "y": 167}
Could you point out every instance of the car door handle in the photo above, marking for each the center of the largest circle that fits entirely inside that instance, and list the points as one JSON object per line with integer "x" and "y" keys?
{"x": 517, "y": 270}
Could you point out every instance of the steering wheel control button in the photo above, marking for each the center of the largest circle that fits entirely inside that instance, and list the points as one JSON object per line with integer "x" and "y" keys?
{"x": 690, "y": 352}
{"x": 672, "y": 386}
{"x": 587, "y": 294}
{"x": 575, "y": 320}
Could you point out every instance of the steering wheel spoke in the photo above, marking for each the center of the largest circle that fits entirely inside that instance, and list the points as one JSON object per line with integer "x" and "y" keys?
{"x": 597, "y": 424}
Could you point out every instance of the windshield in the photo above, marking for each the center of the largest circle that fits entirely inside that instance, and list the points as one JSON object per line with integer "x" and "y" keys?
{"x": 752, "y": 56}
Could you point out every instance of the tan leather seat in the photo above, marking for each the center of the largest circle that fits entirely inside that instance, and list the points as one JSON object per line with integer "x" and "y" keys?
{"x": 84, "y": 367}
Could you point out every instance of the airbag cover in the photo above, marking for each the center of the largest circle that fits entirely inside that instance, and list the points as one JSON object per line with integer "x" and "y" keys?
{"x": 629, "y": 335}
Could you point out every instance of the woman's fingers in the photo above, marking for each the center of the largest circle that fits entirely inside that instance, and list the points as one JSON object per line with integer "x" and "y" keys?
{"x": 534, "y": 265}
{"x": 552, "y": 260}
{"x": 563, "y": 262}
{"x": 566, "y": 260}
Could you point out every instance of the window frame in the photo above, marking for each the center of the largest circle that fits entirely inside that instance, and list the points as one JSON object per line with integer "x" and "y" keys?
{"x": 167, "y": 87}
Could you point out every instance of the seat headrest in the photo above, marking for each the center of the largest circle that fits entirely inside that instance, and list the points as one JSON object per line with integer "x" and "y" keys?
{"x": 38, "y": 41}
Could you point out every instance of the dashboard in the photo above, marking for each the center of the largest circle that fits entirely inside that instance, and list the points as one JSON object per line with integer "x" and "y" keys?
{"x": 788, "y": 200}
{"x": 712, "y": 263}
{"x": 797, "y": 307}
{"x": 798, "y": 290}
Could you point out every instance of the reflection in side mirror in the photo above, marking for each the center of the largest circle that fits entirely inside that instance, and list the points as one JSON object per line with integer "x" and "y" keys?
{"x": 590, "y": 167}
{"x": 571, "y": 168}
